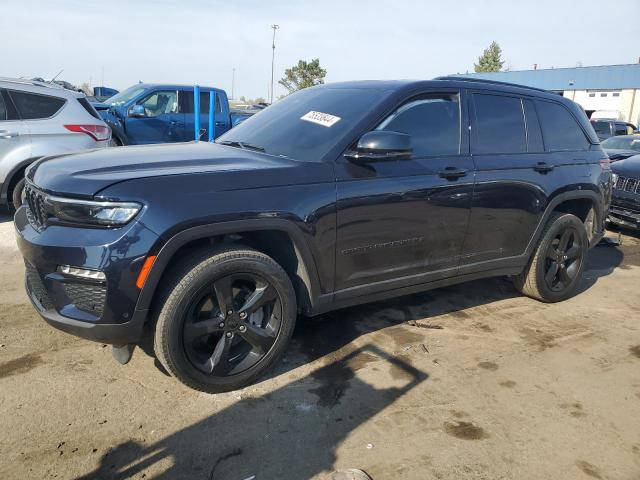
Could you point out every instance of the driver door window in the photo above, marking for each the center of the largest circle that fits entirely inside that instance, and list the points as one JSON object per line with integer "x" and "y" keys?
{"x": 433, "y": 121}
{"x": 160, "y": 103}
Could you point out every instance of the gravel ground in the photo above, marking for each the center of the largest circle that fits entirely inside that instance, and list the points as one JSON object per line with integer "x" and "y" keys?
{"x": 467, "y": 382}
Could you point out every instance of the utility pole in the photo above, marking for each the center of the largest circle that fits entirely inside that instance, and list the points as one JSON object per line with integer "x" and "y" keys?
{"x": 233, "y": 82}
{"x": 273, "y": 55}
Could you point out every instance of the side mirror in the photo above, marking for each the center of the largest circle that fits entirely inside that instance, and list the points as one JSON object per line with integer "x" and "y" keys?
{"x": 380, "y": 145}
{"x": 137, "y": 111}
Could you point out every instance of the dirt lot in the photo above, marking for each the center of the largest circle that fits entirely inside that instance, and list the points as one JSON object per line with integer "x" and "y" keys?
{"x": 471, "y": 381}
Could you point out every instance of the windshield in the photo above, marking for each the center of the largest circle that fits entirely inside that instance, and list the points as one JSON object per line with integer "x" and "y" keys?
{"x": 622, "y": 143}
{"x": 124, "y": 96}
{"x": 305, "y": 125}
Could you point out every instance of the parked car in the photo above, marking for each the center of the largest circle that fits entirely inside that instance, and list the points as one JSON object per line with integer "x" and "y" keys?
{"x": 336, "y": 195}
{"x": 41, "y": 119}
{"x": 625, "y": 204}
{"x": 610, "y": 128}
{"x": 153, "y": 113}
{"x": 100, "y": 94}
{"x": 622, "y": 146}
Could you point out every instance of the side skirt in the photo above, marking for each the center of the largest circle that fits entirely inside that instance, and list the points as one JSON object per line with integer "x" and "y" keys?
{"x": 342, "y": 299}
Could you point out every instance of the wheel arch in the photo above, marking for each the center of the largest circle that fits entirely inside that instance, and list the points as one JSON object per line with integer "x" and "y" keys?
{"x": 276, "y": 238}
{"x": 13, "y": 177}
{"x": 576, "y": 202}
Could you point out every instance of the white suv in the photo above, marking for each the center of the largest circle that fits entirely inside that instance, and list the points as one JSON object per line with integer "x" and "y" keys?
{"x": 40, "y": 119}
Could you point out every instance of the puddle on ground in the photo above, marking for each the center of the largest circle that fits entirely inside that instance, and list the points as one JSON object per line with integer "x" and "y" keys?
{"x": 465, "y": 430}
{"x": 589, "y": 469}
{"x": 20, "y": 365}
{"x": 488, "y": 366}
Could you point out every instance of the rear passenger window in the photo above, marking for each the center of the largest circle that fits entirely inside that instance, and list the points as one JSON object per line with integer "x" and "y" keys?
{"x": 534, "y": 134}
{"x": 3, "y": 109}
{"x": 499, "y": 124}
{"x": 560, "y": 129}
{"x": 33, "y": 106}
{"x": 433, "y": 121}
{"x": 621, "y": 129}
{"x": 186, "y": 103}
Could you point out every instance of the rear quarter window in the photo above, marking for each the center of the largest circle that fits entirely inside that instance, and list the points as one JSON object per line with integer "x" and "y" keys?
{"x": 32, "y": 106}
{"x": 560, "y": 129}
{"x": 3, "y": 109}
{"x": 89, "y": 108}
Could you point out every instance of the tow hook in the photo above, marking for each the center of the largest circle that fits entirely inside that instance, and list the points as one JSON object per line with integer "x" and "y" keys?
{"x": 123, "y": 353}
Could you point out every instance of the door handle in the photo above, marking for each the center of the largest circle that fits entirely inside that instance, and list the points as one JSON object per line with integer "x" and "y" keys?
{"x": 543, "y": 167}
{"x": 452, "y": 173}
{"x": 8, "y": 134}
{"x": 177, "y": 124}
{"x": 220, "y": 124}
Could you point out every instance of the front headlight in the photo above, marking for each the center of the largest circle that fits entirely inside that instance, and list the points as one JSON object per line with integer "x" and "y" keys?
{"x": 89, "y": 212}
{"x": 614, "y": 178}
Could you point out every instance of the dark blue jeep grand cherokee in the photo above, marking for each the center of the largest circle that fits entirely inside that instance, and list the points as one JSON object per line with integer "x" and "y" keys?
{"x": 337, "y": 195}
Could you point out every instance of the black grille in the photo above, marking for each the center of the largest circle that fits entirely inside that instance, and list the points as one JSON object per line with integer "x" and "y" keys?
{"x": 89, "y": 298}
{"x": 631, "y": 185}
{"x": 36, "y": 212}
{"x": 36, "y": 288}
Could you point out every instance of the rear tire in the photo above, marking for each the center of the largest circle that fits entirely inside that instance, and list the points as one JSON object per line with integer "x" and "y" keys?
{"x": 225, "y": 318}
{"x": 555, "y": 270}
{"x": 16, "y": 195}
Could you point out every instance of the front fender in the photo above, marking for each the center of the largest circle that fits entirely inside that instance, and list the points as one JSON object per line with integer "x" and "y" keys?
{"x": 166, "y": 252}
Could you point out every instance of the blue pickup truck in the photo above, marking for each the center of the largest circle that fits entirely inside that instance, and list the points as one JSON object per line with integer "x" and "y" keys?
{"x": 160, "y": 113}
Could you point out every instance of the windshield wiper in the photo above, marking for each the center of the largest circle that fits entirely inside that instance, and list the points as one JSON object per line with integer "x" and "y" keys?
{"x": 243, "y": 145}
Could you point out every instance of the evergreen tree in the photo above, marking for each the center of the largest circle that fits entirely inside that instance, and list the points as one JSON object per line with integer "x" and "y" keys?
{"x": 490, "y": 60}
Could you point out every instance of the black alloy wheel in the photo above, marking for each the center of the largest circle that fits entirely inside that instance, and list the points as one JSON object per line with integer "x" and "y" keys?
{"x": 224, "y": 317}
{"x": 554, "y": 271}
{"x": 564, "y": 259}
{"x": 232, "y": 324}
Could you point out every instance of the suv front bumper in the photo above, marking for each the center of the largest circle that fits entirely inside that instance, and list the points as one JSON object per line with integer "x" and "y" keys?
{"x": 99, "y": 310}
{"x": 625, "y": 209}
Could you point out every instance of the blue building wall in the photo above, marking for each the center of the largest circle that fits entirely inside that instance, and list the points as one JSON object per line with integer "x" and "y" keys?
{"x": 604, "y": 77}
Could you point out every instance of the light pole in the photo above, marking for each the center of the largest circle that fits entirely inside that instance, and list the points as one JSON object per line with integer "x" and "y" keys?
{"x": 273, "y": 55}
{"x": 233, "y": 82}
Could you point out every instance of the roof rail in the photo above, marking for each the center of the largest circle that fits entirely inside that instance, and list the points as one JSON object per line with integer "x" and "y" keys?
{"x": 462, "y": 78}
{"x": 35, "y": 83}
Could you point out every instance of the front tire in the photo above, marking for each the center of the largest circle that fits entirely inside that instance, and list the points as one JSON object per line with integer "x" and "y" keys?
{"x": 225, "y": 319}
{"x": 555, "y": 270}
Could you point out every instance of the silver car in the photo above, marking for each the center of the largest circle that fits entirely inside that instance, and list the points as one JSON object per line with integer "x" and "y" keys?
{"x": 39, "y": 119}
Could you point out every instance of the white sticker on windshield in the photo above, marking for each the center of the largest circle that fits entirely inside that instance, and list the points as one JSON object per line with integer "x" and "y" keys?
{"x": 324, "y": 119}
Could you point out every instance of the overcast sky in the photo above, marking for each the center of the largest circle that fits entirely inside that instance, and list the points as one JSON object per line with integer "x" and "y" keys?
{"x": 201, "y": 41}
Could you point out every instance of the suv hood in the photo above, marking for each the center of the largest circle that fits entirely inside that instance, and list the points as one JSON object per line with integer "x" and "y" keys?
{"x": 87, "y": 173}
{"x": 619, "y": 154}
{"x": 629, "y": 167}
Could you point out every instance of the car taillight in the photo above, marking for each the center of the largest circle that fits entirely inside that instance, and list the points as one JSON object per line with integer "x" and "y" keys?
{"x": 99, "y": 133}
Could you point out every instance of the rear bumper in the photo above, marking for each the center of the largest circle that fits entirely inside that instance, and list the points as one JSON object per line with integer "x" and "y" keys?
{"x": 99, "y": 310}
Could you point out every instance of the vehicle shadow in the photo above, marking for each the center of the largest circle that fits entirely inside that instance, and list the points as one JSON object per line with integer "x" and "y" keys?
{"x": 290, "y": 433}
{"x": 5, "y": 216}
